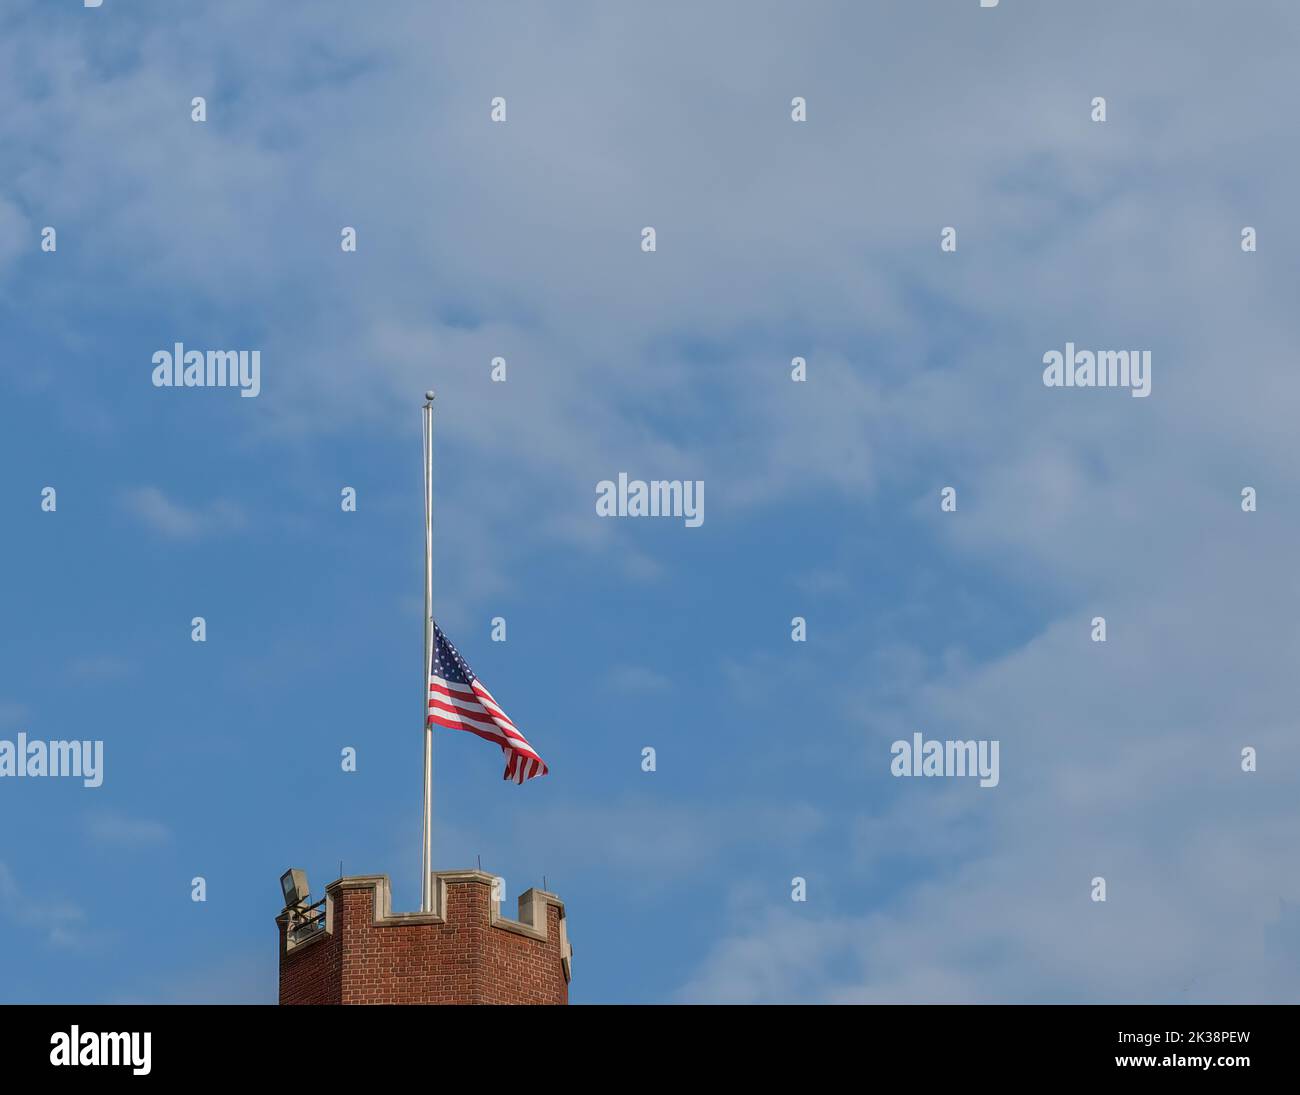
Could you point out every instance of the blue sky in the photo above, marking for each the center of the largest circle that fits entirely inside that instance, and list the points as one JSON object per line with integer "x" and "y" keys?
{"x": 775, "y": 239}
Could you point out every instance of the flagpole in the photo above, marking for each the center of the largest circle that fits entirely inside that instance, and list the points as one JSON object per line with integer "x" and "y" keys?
{"x": 426, "y": 841}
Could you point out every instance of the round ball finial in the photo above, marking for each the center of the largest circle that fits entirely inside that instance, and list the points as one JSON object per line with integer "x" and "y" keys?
{"x": 429, "y": 395}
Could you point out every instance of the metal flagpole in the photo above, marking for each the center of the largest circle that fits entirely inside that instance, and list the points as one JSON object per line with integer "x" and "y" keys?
{"x": 426, "y": 842}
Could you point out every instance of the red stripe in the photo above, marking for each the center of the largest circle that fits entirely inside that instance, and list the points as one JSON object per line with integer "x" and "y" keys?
{"x": 495, "y": 739}
{"x": 455, "y": 690}
{"x": 475, "y": 710}
{"x": 472, "y": 699}
{"x": 489, "y": 700}
{"x": 509, "y": 732}
{"x": 457, "y": 707}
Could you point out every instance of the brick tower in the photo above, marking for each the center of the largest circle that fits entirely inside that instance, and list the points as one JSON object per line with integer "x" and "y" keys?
{"x": 351, "y": 948}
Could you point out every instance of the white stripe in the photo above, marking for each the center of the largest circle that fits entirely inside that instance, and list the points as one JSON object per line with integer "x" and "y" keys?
{"x": 485, "y": 697}
{"x": 470, "y": 701}
{"x": 496, "y": 731}
{"x": 519, "y": 743}
{"x": 481, "y": 690}
{"x": 471, "y": 707}
{"x": 458, "y": 689}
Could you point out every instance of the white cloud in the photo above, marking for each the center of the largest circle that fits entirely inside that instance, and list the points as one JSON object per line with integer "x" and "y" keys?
{"x": 651, "y": 841}
{"x": 100, "y": 667}
{"x": 239, "y": 978}
{"x": 62, "y": 923}
{"x": 637, "y": 678}
{"x": 124, "y": 832}
{"x": 1119, "y": 760}
{"x": 15, "y": 233}
{"x": 177, "y": 521}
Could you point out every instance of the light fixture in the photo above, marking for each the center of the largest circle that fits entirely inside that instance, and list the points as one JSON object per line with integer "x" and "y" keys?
{"x": 294, "y": 884}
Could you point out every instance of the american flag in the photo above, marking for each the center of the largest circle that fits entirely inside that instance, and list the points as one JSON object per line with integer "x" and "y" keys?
{"x": 458, "y": 701}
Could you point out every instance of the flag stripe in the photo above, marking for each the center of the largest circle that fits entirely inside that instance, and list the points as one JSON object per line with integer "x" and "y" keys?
{"x": 458, "y": 700}
{"x": 477, "y": 715}
{"x": 458, "y": 721}
{"x": 486, "y": 735}
{"x": 468, "y": 706}
{"x": 472, "y": 699}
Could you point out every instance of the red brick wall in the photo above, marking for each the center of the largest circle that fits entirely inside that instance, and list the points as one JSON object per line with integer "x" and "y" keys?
{"x": 462, "y": 958}
{"x": 515, "y": 974}
{"x": 310, "y": 974}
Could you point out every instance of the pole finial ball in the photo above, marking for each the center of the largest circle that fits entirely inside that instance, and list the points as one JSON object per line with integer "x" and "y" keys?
{"x": 429, "y": 395}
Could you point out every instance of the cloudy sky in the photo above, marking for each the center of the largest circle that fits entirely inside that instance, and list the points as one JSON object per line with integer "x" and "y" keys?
{"x": 775, "y": 239}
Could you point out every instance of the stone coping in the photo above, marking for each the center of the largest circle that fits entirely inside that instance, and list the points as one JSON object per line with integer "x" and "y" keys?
{"x": 532, "y": 920}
